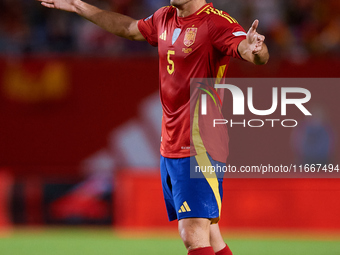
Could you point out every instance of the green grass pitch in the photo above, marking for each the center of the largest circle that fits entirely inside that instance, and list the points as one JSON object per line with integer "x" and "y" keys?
{"x": 73, "y": 241}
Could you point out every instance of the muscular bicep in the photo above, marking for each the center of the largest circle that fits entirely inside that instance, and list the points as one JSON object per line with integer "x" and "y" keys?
{"x": 134, "y": 32}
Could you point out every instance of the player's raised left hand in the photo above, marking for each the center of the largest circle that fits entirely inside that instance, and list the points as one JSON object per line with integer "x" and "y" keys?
{"x": 253, "y": 48}
{"x": 254, "y": 39}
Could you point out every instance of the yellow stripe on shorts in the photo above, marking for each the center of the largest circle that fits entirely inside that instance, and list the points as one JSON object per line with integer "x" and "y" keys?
{"x": 203, "y": 161}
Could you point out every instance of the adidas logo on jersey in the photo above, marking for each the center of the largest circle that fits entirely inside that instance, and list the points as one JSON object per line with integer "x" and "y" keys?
{"x": 163, "y": 36}
{"x": 184, "y": 208}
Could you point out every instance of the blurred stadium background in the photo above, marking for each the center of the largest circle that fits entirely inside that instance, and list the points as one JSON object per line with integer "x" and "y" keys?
{"x": 80, "y": 128}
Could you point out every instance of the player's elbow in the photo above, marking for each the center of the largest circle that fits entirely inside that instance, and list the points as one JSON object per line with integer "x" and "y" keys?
{"x": 130, "y": 37}
{"x": 126, "y": 33}
{"x": 261, "y": 60}
{"x": 132, "y": 32}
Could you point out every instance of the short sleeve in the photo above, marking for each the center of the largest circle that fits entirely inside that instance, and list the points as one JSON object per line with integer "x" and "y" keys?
{"x": 149, "y": 27}
{"x": 226, "y": 34}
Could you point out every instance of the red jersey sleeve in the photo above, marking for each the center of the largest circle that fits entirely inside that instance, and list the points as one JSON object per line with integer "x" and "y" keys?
{"x": 149, "y": 26}
{"x": 226, "y": 34}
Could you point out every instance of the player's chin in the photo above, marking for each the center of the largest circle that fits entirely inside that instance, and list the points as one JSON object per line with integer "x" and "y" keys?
{"x": 178, "y": 3}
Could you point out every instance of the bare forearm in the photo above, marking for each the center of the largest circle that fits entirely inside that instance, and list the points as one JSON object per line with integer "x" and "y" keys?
{"x": 260, "y": 58}
{"x": 115, "y": 23}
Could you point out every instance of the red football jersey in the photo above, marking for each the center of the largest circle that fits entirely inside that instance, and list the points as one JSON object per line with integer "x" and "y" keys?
{"x": 196, "y": 46}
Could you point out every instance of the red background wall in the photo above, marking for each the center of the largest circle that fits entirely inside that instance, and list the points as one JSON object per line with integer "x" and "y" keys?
{"x": 49, "y": 136}
{"x": 300, "y": 204}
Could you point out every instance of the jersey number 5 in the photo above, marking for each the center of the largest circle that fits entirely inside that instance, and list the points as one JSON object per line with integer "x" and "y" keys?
{"x": 171, "y": 66}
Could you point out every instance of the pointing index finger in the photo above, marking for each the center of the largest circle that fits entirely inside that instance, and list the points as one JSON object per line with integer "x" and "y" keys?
{"x": 255, "y": 25}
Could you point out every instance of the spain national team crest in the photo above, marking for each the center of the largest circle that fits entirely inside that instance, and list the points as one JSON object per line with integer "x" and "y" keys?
{"x": 190, "y": 36}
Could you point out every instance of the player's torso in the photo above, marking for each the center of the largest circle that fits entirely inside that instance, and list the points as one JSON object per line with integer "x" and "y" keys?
{"x": 185, "y": 51}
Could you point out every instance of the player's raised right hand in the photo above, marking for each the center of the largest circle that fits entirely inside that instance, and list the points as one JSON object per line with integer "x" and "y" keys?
{"x": 65, "y": 5}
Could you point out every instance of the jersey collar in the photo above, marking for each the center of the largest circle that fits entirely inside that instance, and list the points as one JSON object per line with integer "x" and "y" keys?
{"x": 195, "y": 14}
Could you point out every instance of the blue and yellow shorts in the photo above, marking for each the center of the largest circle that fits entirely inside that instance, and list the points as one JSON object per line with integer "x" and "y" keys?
{"x": 191, "y": 197}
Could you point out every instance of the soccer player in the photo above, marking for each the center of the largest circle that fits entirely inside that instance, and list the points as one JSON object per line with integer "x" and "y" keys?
{"x": 194, "y": 40}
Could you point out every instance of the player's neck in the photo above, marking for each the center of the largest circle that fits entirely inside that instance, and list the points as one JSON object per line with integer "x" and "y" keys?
{"x": 189, "y": 8}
